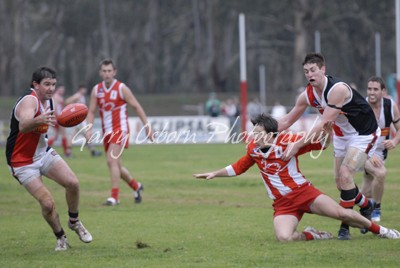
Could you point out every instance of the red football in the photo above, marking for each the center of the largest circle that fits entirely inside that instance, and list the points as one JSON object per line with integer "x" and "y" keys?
{"x": 72, "y": 115}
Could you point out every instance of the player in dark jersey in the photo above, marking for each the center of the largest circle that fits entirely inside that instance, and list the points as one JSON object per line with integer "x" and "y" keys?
{"x": 29, "y": 156}
{"x": 355, "y": 130}
{"x": 387, "y": 113}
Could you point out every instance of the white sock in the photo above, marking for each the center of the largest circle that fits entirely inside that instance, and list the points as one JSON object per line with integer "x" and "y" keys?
{"x": 383, "y": 230}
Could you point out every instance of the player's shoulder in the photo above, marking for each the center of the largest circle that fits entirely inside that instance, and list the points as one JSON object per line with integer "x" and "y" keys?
{"x": 28, "y": 101}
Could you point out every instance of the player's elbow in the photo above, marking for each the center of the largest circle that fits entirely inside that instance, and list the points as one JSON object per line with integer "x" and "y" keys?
{"x": 24, "y": 128}
{"x": 282, "y": 125}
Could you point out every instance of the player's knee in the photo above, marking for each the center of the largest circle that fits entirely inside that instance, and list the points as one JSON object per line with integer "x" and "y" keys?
{"x": 281, "y": 237}
{"x": 47, "y": 204}
{"x": 344, "y": 183}
{"x": 111, "y": 160}
{"x": 73, "y": 183}
{"x": 344, "y": 214}
{"x": 381, "y": 174}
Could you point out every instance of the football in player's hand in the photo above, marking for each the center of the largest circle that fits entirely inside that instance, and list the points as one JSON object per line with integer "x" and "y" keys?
{"x": 72, "y": 115}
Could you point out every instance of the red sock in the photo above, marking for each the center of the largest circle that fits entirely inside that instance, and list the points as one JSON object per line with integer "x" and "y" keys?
{"x": 361, "y": 200}
{"x": 50, "y": 142}
{"x": 67, "y": 149}
{"x": 134, "y": 184}
{"x": 374, "y": 228}
{"x": 115, "y": 193}
{"x": 308, "y": 235}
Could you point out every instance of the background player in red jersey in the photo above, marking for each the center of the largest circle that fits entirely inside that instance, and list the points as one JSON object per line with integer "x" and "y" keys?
{"x": 112, "y": 98}
{"x": 80, "y": 97}
{"x": 29, "y": 156}
{"x": 58, "y": 130}
{"x": 292, "y": 193}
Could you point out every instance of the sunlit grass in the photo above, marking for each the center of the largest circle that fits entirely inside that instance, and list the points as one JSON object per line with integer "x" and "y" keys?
{"x": 184, "y": 222}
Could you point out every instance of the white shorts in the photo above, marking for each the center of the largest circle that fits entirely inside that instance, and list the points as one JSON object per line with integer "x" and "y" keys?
{"x": 27, "y": 173}
{"x": 365, "y": 143}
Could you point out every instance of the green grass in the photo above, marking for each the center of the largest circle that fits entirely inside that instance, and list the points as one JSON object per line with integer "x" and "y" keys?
{"x": 183, "y": 222}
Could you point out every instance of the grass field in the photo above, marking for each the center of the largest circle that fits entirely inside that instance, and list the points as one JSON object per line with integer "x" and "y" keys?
{"x": 183, "y": 222}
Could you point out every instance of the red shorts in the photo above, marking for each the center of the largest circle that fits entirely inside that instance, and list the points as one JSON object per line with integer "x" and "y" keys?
{"x": 119, "y": 137}
{"x": 297, "y": 202}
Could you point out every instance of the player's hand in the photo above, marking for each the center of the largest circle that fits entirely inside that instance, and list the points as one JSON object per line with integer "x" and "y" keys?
{"x": 48, "y": 117}
{"x": 207, "y": 176}
{"x": 327, "y": 128}
{"x": 89, "y": 132}
{"x": 150, "y": 135}
{"x": 389, "y": 144}
{"x": 376, "y": 161}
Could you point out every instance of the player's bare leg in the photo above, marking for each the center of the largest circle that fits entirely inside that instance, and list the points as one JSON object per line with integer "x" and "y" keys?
{"x": 61, "y": 173}
{"x": 37, "y": 189}
{"x": 114, "y": 165}
{"x": 285, "y": 227}
{"x": 136, "y": 186}
{"x": 373, "y": 186}
{"x": 325, "y": 206}
{"x": 350, "y": 195}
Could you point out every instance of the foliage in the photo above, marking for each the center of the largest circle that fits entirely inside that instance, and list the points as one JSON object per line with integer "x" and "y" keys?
{"x": 191, "y": 46}
{"x": 183, "y": 222}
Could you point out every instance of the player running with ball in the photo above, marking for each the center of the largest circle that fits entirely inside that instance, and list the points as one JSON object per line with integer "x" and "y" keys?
{"x": 29, "y": 156}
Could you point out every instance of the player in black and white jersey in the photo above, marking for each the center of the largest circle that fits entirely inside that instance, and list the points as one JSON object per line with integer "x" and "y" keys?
{"x": 387, "y": 113}
{"x": 355, "y": 130}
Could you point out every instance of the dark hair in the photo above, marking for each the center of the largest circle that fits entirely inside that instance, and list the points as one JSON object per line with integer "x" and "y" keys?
{"x": 42, "y": 73}
{"x": 378, "y": 80}
{"x": 107, "y": 62}
{"x": 267, "y": 122}
{"x": 316, "y": 58}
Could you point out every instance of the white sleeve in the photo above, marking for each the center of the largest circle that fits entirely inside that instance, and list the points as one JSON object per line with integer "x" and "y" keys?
{"x": 231, "y": 172}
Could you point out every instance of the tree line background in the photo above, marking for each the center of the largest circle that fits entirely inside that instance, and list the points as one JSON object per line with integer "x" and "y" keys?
{"x": 191, "y": 46}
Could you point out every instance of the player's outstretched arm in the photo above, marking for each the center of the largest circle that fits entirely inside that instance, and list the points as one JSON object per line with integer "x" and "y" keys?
{"x": 91, "y": 113}
{"x": 92, "y": 107}
{"x": 211, "y": 175}
{"x": 289, "y": 119}
{"x": 134, "y": 103}
{"x": 74, "y": 98}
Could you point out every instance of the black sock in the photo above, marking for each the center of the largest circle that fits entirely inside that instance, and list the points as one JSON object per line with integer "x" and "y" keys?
{"x": 73, "y": 217}
{"x": 60, "y": 234}
{"x": 344, "y": 226}
{"x": 348, "y": 195}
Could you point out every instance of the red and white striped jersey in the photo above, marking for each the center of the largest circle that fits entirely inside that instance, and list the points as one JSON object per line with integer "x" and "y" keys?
{"x": 113, "y": 107}
{"x": 24, "y": 148}
{"x": 280, "y": 177}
